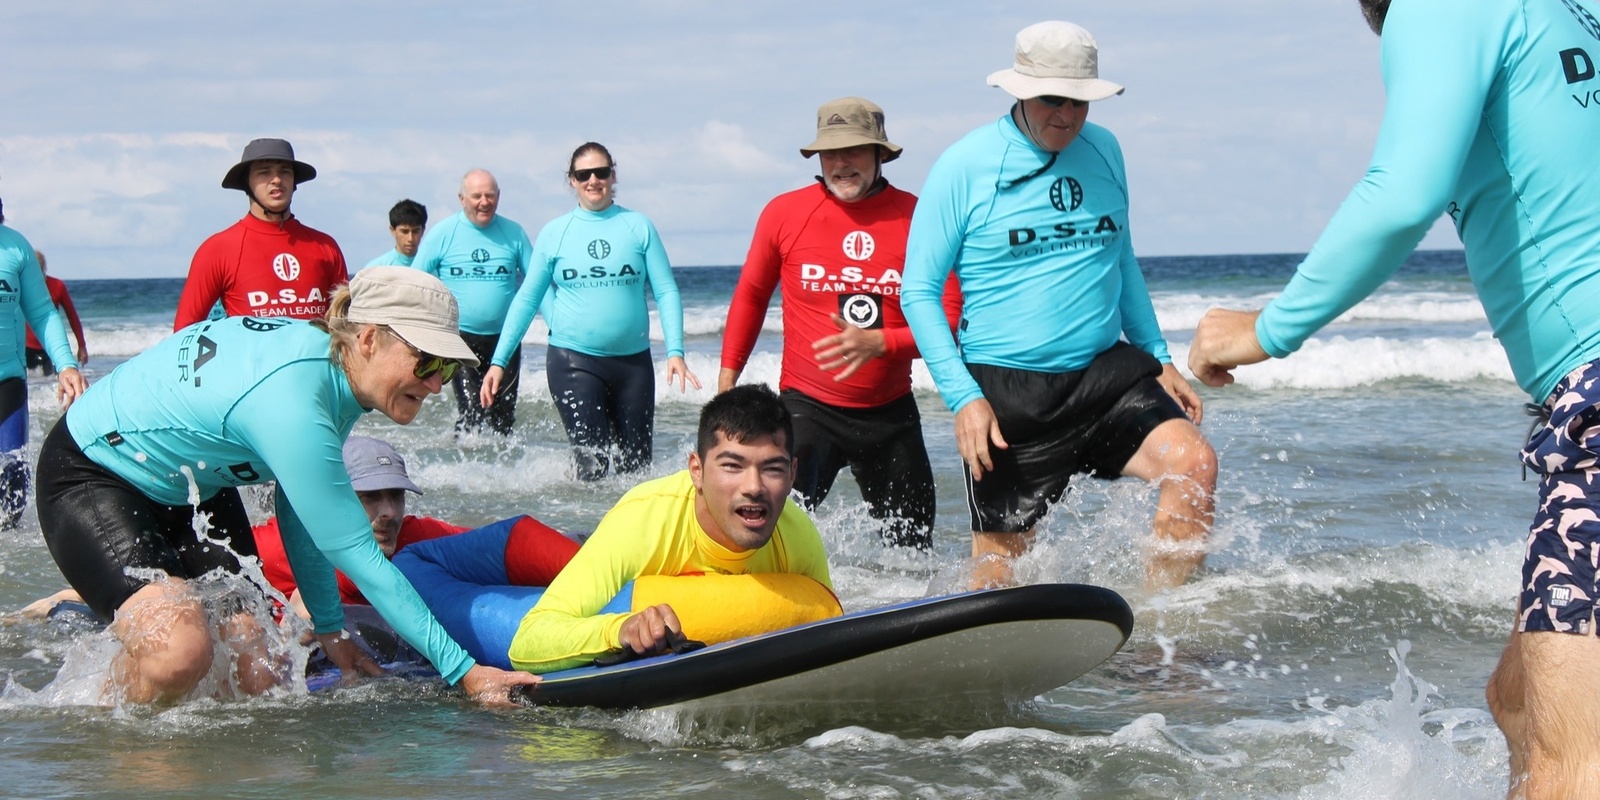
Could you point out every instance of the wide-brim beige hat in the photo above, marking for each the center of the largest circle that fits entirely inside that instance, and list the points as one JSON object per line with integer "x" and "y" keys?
{"x": 850, "y": 122}
{"x": 1055, "y": 58}
{"x": 415, "y": 305}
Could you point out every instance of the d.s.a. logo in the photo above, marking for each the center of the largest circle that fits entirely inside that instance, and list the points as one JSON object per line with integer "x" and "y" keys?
{"x": 1066, "y": 194}
{"x": 599, "y": 248}
{"x": 286, "y": 267}
{"x": 858, "y": 245}
{"x": 1586, "y": 19}
{"x": 480, "y": 256}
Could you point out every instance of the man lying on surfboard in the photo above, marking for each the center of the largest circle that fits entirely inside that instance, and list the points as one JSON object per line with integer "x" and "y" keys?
{"x": 728, "y": 514}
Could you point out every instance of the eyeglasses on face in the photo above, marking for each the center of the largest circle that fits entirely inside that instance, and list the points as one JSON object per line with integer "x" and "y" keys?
{"x": 1054, "y": 101}
{"x": 582, "y": 175}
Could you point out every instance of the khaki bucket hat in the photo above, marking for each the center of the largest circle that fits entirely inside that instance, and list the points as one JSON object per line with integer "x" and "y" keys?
{"x": 1055, "y": 58}
{"x": 848, "y": 122}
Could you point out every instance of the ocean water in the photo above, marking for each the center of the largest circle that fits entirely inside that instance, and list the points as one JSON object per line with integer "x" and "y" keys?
{"x": 1360, "y": 583}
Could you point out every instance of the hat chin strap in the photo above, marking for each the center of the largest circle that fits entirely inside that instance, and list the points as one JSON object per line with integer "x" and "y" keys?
{"x": 271, "y": 216}
{"x": 1020, "y": 115}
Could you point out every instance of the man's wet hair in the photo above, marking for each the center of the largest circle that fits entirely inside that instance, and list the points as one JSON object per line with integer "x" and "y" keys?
{"x": 1375, "y": 11}
{"x": 743, "y": 414}
{"x": 408, "y": 212}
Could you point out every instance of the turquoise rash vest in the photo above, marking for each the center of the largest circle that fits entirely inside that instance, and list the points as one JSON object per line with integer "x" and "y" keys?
{"x": 1046, "y": 263}
{"x": 482, "y": 267}
{"x": 1492, "y": 117}
{"x": 242, "y": 400}
{"x": 25, "y": 300}
{"x": 596, "y": 264}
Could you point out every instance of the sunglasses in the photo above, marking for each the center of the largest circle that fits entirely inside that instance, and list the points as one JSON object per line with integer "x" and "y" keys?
{"x": 582, "y": 175}
{"x": 430, "y": 365}
{"x": 1056, "y": 102}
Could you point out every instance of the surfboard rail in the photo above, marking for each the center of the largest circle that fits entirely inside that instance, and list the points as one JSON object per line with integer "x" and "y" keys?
{"x": 1016, "y": 642}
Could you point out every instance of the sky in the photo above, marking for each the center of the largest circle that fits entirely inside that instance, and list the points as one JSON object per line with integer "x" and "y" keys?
{"x": 1244, "y": 124}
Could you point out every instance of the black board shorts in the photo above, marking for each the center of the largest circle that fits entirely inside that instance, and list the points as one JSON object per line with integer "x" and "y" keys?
{"x": 97, "y": 526}
{"x": 1058, "y": 425}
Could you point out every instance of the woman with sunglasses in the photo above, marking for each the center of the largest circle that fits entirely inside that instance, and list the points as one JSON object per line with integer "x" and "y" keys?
{"x": 125, "y": 476}
{"x": 596, "y": 260}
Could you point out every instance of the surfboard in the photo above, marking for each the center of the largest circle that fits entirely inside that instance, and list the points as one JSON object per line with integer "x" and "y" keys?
{"x": 989, "y": 647}
{"x": 984, "y": 649}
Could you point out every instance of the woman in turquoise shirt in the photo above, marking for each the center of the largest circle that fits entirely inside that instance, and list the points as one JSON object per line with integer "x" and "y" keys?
{"x": 596, "y": 260}
{"x": 174, "y": 431}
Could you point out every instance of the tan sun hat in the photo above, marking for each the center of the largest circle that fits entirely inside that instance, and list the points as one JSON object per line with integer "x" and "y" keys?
{"x": 1055, "y": 58}
{"x": 848, "y": 122}
{"x": 415, "y": 305}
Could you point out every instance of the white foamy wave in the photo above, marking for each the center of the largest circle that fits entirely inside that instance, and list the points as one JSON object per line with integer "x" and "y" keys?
{"x": 535, "y": 383}
{"x": 1182, "y": 311}
{"x": 123, "y": 341}
{"x": 1342, "y": 363}
{"x": 697, "y": 321}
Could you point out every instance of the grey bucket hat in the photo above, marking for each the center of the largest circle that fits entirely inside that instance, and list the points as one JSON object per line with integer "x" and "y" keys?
{"x": 266, "y": 150}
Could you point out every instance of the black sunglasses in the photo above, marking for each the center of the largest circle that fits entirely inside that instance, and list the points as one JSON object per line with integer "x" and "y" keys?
{"x": 582, "y": 175}
{"x": 1056, "y": 102}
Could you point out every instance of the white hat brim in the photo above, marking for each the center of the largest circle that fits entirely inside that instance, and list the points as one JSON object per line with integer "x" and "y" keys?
{"x": 1027, "y": 87}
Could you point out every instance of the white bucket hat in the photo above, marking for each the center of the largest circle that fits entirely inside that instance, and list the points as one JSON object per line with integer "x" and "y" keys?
{"x": 415, "y": 305}
{"x": 1055, "y": 58}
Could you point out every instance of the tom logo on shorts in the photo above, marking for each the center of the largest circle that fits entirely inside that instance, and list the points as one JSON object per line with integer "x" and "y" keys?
{"x": 1560, "y": 596}
{"x": 858, "y": 245}
{"x": 286, "y": 267}
{"x": 862, "y": 310}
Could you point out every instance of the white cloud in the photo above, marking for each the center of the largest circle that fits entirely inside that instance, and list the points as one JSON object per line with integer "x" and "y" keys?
{"x": 1244, "y": 124}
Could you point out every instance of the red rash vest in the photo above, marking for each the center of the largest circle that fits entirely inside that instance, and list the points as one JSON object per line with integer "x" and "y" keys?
{"x": 259, "y": 269}
{"x": 831, "y": 258}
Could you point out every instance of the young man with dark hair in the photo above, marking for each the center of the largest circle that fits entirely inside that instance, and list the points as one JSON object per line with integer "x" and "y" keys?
{"x": 407, "y": 220}
{"x": 267, "y": 264}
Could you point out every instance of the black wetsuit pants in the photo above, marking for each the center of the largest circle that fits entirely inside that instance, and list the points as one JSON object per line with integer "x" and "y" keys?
{"x": 608, "y": 405}
{"x": 882, "y": 446}
{"x": 97, "y": 526}
{"x": 470, "y": 415}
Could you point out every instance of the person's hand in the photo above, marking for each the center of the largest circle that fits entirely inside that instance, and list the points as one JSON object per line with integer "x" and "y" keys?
{"x": 351, "y": 660}
{"x": 1178, "y": 386}
{"x": 41, "y": 608}
{"x": 491, "y": 386}
{"x": 848, "y": 349}
{"x": 678, "y": 368}
{"x": 726, "y": 378}
{"x": 83, "y": 356}
{"x": 1223, "y": 340}
{"x": 976, "y": 428}
{"x": 492, "y": 687}
{"x": 647, "y": 631}
{"x": 70, "y": 385}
